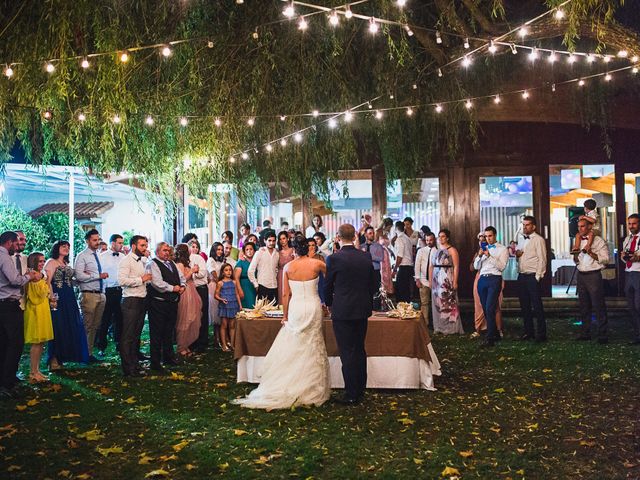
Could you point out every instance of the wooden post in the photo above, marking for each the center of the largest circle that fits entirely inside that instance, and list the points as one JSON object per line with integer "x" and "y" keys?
{"x": 378, "y": 193}
{"x": 307, "y": 211}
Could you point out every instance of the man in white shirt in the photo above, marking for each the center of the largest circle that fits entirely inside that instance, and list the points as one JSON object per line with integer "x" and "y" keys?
{"x": 491, "y": 262}
{"x": 631, "y": 260}
{"x": 421, "y": 269}
{"x": 590, "y": 286}
{"x": 265, "y": 262}
{"x": 200, "y": 281}
{"x": 532, "y": 265}
{"x": 404, "y": 264}
{"x": 112, "y": 316}
{"x": 132, "y": 277}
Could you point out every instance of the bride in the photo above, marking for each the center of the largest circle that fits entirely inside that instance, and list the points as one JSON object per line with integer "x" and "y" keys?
{"x": 296, "y": 368}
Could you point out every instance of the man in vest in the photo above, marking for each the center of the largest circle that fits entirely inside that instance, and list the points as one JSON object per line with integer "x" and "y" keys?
{"x": 164, "y": 290}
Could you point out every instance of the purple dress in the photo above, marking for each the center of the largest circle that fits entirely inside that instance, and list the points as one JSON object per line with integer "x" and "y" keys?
{"x": 231, "y": 308}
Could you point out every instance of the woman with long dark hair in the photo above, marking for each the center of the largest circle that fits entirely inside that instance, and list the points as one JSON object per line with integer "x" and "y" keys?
{"x": 443, "y": 272}
{"x": 69, "y": 342}
{"x": 286, "y": 255}
{"x": 215, "y": 262}
{"x": 190, "y": 304}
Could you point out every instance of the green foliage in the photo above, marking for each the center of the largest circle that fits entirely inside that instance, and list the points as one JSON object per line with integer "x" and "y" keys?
{"x": 13, "y": 217}
{"x": 56, "y": 226}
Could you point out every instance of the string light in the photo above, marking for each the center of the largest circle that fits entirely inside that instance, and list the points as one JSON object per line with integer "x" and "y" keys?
{"x": 184, "y": 121}
{"x": 401, "y": 3}
{"x": 409, "y": 111}
{"x": 524, "y": 31}
{"x": 571, "y": 59}
{"x": 590, "y": 58}
{"x": 82, "y": 117}
{"x": 525, "y": 94}
{"x": 466, "y": 61}
{"x": 283, "y": 142}
{"x": 553, "y": 87}
{"x": 124, "y": 57}
{"x": 559, "y": 14}
{"x": 497, "y": 99}
{"x": 466, "y": 43}
{"x": 634, "y": 70}
{"x": 623, "y": 54}
{"x": 50, "y": 68}
{"x": 379, "y": 115}
{"x": 283, "y": 118}
{"x": 533, "y": 55}
{"x": 245, "y": 156}
{"x": 332, "y": 123}
{"x": 149, "y": 120}
{"x": 373, "y": 26}
{"x": 439, "y": 72}
{"x": 552, "y": 57}
{"x": 492, "y": 47}
{"x": 438, "y": 108}
{"x": 116, "y": 119}
{"x": 348, "y": 13}
{"x": 166, "y": 51}
{"x": 334, "y": 20}
{"x": 48, "y": 115}
{"x": 315, "y": 113}
{"x": 269, "y": 147}
{"x": 438, "y": 38}
{"x": 348, "y": 117}
{"x": 232, "y": 159}
{"x": 634, "y": 59}
{"x": 217, "y": 122}
{"x": 581, "y": 82}
{"x": 408, "y": 30}
{"x": 8, "y": 72}
{"x": 302, "y": 24}
{"x": 468, "y": 104}
{"x": 514, "y": 50}
{"x": 85, "y": 63}
{"x": 289, "y": 10}
{"x": 606, "y": 59}
{"x": 251, "y": 122}
{"x": 298, "y": 137}
{"x": 607, "y": 77}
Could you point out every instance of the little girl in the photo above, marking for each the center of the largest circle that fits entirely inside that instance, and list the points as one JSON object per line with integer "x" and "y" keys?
{"x": 38, "y": 328}
{"x": 229, "y": 305}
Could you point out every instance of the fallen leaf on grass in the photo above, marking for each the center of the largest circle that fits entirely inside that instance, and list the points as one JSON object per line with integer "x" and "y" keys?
{"x": 130, "y": 400}
{"x": 13, "y": 468}
{"x": 33, "y": 402}
{"x": 536, "y": 384}
{"x": 64, "y": 473}
{"x": 495, "y": 429}
{"x": 532, "y": 427}
{"x": 175, "y": 376}
{"x": 239, "y": 433}
{"x": 71, "y": 443}
{"x": 21, "y": 408}
{"x": 105, "y": 452}
{"x": 157, "y": 473}
{"x": 449, "y": 471}
{"x": 71, "y": 415}
{"x": 466, "y": 453}
{"x": 406, "y": 421}
{"x": 190, "y": 467}
{"x": 179, "y": 446}
{"x": 91, "y": 435}
{"x": 499, "y": 390}
{"x": 105, "y": 390}
{"x": 167, "y": 458}
{"x": 83, "y": 476}
{"x": 144, "y": 460}
{"x": 220, "y": 385}
{"x": 223, "y": 466}
{"x": 521, "y": 398}
{"x": 520, "y": 472}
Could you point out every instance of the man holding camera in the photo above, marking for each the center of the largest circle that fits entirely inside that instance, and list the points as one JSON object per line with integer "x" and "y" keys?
{"x": 631, "y": 260}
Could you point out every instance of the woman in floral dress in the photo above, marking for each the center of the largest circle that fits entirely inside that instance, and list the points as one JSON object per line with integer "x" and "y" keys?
{"x": 443, "y": 272}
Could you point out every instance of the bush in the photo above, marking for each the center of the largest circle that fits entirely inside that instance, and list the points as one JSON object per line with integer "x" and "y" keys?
{"x": 14, "y": 218}
{"x": 56, "y": 227}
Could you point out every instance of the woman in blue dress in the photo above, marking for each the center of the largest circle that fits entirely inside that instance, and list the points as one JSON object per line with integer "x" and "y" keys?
{"x": 69, "y": 342}
{"x": 241, "y": 274}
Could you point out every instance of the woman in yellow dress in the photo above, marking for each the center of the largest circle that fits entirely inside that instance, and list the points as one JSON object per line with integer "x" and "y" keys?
{"x": 38, "y": 328}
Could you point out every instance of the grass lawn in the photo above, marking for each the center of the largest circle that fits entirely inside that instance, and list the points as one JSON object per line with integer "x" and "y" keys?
{"x": 561, "y": 410}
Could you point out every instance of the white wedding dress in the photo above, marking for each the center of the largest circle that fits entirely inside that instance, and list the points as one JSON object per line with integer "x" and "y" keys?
{"x": 296, "y": 368}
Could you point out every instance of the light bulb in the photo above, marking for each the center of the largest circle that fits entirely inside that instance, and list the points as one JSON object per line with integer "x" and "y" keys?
{"x": 315, "y": 113}
{"x": 50, "y": 68}
{"x": 348, "y": 117}
{"x": 302, "y": 24}
{"x": 334, "y": 20}
{"x": 524, "y": 31}
{"x": 439, "y": 72}
{"x": 332, "y": 123}
{"x": 581, "y": 83}
{"x": 85, "y": 63}
{"x": 414, "y": 86}
{"x": 525, "y": 94}
{"x": 379, "y": 115}
{"x": 468, "y": 104}
{"x": 373, "y": 26}
{"x": 48, "y": 115}
{"x": 348, "y": 13}
{"x": 623, "y": 54}
{"x": 590, "y": 58}
{"x": 533, "y": 55}
{"x": 438, "y": 38}
{"x": 559, "y": 14}
{"x": 571, "y": 58}
{"x": 409, "y": 111}
{"x": 298, "y": 137}
{"x": 217, "y": 122}
{"x": 634, "y": 70}
{"x": 553, "y": 87}
{"x": 634, "y": 59}
{"x": 552, "y": 57}
{"x": 438, "y": 108}
{"x": 466, "y": 61}
{"x": 408, "y": 30}
{"x": 289, "y": 10}
{"x": 269, "y": 147}
{"x": 607, "y": 77}
{"x": 8, "y": 72}
{"x": 514, "y": 50}
{"x": 166, "y": 51}
{"x": 149, "y": 120}
{"x": 116, "y": 119}
{"x": 184, "y": 121}
{"x": 245, "y": 156}
{"x": 492, "y": 47}
{"x": 496, "y": 99}
{"x": 401, "y": 3}
{"x": 283, "y": 118}
{"x": 251, "y": 122}
{"x": 124, "y": 57}
{"x": 283, "y": 142}
{"x": 232, "y": 159}
{"x": 466, "y": 43}
{"x": 82, "y": 117}
{"x": 606, "y": 58}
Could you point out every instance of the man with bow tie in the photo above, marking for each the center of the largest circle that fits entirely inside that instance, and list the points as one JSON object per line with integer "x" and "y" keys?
{"x": 631, "y": 260}
{"x": 491, "y": 261}
{"x": 532, "y": 265}
{"x": 590, "y": 285}
{"x": 112, "y": 316}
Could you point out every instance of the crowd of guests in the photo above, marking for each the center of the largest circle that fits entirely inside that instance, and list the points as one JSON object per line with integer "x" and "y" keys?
{"x": 184, "y": 291}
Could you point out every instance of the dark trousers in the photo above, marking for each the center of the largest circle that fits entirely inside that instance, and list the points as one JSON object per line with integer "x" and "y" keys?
{"x": 11, "y": 342}
{"x": 268, "y": 293}
{"x": 403, "y": 283}
{"x": 111, "y": 318}
{"x": 489, "y": 287}
{"x": 632, "y": 290}
{"x": 591, "y": 298}
{"x": 377, "y": 303}
{"x": 531, "y": 304}
{"x": 162, "y": 325}
{"x": 133, "y": 311}
{"x": 202, "y": 342}
{"x": 350, "y": 335}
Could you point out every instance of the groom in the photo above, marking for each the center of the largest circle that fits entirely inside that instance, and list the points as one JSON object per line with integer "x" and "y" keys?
{"x": 349, "y": 289}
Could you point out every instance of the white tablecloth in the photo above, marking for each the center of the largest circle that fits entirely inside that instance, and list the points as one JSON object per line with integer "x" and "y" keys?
{"x": 382, "y": 372}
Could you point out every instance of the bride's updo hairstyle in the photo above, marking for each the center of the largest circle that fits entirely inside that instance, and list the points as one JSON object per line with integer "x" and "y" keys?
{"x": 300, "y": 245}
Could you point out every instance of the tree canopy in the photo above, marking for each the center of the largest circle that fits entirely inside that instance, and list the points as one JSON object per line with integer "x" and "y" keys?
{"x": 247, "y": 62}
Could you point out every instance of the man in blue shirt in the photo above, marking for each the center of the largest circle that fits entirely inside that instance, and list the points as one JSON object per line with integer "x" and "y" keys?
{"x": 90, "y": 279}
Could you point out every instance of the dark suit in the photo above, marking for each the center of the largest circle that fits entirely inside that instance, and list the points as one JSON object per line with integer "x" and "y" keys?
{"x": 349, "y": 288}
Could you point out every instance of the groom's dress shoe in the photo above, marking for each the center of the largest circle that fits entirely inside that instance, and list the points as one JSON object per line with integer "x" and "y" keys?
{"x": 347, "y": 401}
